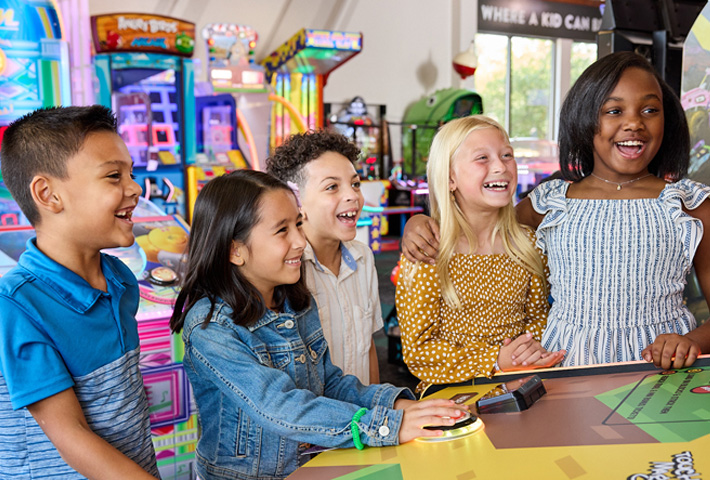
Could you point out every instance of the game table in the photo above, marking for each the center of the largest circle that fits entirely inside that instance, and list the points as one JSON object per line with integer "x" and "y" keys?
{"x": 628, "y": 421}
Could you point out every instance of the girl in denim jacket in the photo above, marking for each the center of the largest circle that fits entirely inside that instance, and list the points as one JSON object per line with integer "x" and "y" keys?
{"x": 255, "y": 355}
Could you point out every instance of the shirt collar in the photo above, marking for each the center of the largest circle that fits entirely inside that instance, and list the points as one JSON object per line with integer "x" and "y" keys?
{"x": 348, "y": 257}
{"x": 67, "y": 285}
{"x": 288, "y": 313}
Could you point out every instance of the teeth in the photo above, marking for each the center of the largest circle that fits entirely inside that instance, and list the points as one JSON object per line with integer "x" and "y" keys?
{"x": 495, "y": 185}
{"x": 293, "y": 262}
{"x": 348, "y": 214}
{"x": 630, "y": 143}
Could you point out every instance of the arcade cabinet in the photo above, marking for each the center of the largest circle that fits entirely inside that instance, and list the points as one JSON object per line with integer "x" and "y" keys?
{"x": 34, "y": 60}
{"x": 146, "y": 77}
{"x": 695, "y": 98}
{"x": 424, "y": 117}
{"x": 231, "y": 69}
{"x": 365, "y": 126}
{"x": 298, "y": 70}
{"x": 658, "y": 34}
{"x": 234, "y": 93}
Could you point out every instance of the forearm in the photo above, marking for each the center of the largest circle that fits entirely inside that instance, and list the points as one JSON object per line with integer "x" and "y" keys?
{"x": 62, "y": 420}
{"x": 93, "y": 457}
{"x": 701, "y": 336}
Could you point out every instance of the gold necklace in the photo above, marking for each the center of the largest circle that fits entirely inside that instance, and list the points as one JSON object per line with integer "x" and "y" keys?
{"x": 618, "y": 185}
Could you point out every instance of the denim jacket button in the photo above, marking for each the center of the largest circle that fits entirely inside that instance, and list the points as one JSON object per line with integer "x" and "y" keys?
{"x": 384, "y": 430}
{"x": 288, "y": 323}
{"x": 313, "y": 354}
{"x": 301, "y": 358}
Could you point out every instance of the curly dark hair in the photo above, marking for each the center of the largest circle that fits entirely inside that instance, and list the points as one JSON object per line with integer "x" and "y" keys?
{"x": 289, "y": 159}
{"x": 579, "y": 120}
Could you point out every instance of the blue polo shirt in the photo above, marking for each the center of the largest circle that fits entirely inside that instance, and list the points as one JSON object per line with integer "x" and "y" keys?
{"x": 57, "y": 332}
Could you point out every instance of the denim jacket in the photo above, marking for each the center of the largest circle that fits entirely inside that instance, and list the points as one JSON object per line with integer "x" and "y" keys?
{"x": 267, "y": 391}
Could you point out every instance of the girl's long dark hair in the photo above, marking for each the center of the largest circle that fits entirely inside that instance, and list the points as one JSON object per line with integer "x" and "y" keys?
{"x": 227, "y": 209}
{"x": 579, "y": 120}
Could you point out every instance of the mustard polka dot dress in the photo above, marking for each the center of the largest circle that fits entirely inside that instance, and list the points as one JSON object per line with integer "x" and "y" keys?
{"x": 444, "y": 345}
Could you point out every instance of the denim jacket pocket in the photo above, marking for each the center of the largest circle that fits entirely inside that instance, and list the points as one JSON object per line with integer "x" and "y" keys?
{"x": 277, "y": 359}
{"x": 242, "y": 435}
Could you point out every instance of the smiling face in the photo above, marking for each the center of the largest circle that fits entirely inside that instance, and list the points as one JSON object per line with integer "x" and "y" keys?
{"x": 631, "y": 126}
{"x": 331, "y": 199}
{"x": 98, "y": 196}
{"x": 272, "y": 254}
{"x": 483, "y": 174}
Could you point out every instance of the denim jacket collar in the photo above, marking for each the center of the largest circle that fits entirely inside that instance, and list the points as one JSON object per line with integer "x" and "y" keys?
{"x": 271, "y": 316}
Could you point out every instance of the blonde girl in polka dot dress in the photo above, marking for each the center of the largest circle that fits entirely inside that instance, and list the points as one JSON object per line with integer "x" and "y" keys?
{"x": 483, "y": 305}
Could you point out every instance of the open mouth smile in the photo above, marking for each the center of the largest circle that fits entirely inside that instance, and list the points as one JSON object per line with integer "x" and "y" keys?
{"x": 500, "y": 185}
{"x": 631, "y": 147}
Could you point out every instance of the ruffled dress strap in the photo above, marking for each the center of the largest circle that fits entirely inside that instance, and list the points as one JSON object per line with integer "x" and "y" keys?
{"x": 549, "y": 199}
{"x": 689, "y": 194}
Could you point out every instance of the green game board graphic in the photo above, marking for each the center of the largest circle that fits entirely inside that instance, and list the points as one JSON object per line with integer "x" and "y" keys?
{"x": 664, "y": 405}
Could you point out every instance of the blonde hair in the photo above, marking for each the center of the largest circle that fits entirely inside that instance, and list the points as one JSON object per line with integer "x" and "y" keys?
{"x": 452, "y": 222}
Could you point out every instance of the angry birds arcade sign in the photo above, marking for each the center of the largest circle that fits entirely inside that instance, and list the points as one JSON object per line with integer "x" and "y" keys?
{"x": 121, "y": 32}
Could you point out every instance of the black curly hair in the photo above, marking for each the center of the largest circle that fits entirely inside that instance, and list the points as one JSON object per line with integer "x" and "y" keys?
{"x": 289, "y": 159}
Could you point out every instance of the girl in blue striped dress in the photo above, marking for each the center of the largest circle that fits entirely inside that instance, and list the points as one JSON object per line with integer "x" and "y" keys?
{"x": 623, "y": 229}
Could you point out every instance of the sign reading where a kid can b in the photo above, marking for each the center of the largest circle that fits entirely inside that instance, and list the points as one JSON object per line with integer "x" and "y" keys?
{"x": 539, "y": 18}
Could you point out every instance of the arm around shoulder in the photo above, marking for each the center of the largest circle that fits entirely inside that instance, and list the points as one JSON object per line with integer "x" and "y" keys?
{"x": 526, "y": 213}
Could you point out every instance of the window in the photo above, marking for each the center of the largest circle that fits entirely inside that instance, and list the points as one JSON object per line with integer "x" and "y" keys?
{"x": 531, "y": 88}
{"x": 516, "y": 79}
{"x": 583, "y": 55}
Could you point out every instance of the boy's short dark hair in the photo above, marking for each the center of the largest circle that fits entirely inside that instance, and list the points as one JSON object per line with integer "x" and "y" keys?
{"x": 289, "y": 159}
{"x": 41, "y": 143}
{"x": 579, "y": 120}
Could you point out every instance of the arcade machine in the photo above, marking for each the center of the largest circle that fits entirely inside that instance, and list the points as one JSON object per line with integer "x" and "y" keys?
{"x": 695, "y": 98}
{"x": 145, "y": 75}
{"x": 222, "y": 113}
{"x": 424, "y": 117}
{"x": 34, "y": 72}
{"x": 298, "y": 70}
{"x": 365, "y": 125}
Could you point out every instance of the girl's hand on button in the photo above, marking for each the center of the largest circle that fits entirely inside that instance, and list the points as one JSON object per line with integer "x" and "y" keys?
{"x": 427, "y": 412}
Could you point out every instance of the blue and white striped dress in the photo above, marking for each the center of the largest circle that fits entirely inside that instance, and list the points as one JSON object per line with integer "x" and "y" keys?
{"x": 617, "y": 269}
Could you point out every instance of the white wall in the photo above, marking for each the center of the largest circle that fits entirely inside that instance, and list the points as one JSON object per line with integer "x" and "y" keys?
{"x": 407, "y": 44}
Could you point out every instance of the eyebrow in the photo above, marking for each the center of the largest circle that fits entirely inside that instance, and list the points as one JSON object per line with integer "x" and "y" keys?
{"x": 115, "y": 162}
{"x": 284, "y": 221}
{"x": 647, "y": 97}
{"x": 331, "y": 178}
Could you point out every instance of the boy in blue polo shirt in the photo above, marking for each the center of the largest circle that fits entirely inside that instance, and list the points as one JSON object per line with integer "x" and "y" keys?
{"x": 72, "y": 403}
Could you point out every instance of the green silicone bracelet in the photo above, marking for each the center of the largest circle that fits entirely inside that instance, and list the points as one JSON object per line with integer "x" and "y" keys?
{"x": 355, "y": 431}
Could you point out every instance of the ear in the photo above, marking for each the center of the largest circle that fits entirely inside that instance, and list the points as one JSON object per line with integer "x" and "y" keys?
{"x": 303, "y": 213}
{"x": 44, "y": 195}
{"x": 452, "y": 185}
{"x": 236, "y": 256}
